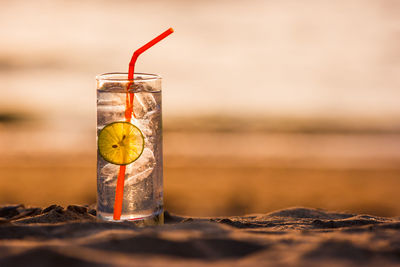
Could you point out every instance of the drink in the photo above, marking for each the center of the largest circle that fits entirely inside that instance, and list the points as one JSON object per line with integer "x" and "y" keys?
{"x": 134, "y": 142}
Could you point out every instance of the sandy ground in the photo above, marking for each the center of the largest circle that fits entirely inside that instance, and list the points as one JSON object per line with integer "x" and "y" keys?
{"x": 292, "y": 237}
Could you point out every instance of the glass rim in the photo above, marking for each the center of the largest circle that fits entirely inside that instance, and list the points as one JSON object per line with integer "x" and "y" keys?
{"x": 108, "y": 77}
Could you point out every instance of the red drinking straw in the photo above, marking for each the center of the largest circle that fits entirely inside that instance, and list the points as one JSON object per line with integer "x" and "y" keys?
{"x": 119, "y": 192}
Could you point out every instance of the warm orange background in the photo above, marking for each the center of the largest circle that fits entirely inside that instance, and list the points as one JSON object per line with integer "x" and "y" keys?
{"x": 266, "y": 104}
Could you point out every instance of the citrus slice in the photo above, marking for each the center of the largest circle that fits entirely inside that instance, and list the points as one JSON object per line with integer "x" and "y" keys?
{"x": 120, "y": 143}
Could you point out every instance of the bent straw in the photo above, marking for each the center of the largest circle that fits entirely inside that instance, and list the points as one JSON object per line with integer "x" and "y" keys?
{"x": 136, "y": 54}
{"x": 119, "y": 192}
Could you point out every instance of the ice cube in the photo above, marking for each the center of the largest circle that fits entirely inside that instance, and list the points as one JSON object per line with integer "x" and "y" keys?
{"x": 112, "y": 87}
{"x": 105, "y": 98}
{"x": 145, "y": 104}
{"x": 144, "y": 125}
{"x": 134, "y": 173}
{"x": 109, "y": 173}
{"x": 137, "y": 87}
{"x": 108, "y": 114}
{"x": 141, "y": 168}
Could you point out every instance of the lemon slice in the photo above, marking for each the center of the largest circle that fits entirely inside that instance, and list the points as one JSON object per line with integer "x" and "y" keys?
{"x": 120, "y": 143}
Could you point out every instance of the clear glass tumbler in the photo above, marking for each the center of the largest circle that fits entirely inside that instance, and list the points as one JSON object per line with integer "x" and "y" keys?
{"x": 143, "y": 186}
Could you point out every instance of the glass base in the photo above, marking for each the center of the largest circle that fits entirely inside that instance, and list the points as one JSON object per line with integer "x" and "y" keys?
{"x": 148, "y": 220}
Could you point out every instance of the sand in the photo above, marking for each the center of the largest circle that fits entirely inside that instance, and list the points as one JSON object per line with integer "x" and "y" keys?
{"x": 72, "y": 236}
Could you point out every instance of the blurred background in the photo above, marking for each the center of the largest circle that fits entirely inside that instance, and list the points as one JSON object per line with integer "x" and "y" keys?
{"x": 266, "y": 104}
